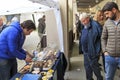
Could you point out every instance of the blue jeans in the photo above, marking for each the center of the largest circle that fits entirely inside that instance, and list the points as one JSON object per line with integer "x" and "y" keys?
{"x": 8, "y": 68}
{"x": 92, "y": 66}
{"x": 111, "y": 64}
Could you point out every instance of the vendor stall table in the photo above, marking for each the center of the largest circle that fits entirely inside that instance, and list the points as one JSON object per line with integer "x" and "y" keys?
{"x": 59, "y": 69}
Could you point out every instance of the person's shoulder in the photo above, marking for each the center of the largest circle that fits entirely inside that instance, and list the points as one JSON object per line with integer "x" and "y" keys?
{"x": 15, "y": 23}
{"x": 108, "y": 22}
{"x": 95, "y": 22}
{"x": 39, "y": 19}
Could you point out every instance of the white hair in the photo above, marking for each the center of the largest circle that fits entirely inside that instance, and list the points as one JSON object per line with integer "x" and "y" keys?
{"x": 84, "y": 15}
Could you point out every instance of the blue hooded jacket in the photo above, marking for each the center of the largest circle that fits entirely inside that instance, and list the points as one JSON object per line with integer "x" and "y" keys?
{"x": 11, "y": 42}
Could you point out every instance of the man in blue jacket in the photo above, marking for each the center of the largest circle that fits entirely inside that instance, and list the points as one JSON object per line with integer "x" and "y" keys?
{"x": 11, "y": 42}
{"x": 90, "y": 43}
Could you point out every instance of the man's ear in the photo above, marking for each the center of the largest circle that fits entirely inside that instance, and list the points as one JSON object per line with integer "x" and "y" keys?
{"x": 114, "y": 10}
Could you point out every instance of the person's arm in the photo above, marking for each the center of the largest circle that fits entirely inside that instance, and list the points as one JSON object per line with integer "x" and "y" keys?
{"x": 97, "y": 40}
{"x": 104, "y": 38}
{"x": 99, "y": 29}
{"x": 28, "y": 55}
{"x": 13, "y": 45}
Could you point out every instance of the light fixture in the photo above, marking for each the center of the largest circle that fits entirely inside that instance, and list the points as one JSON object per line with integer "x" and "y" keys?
{"x": 114, "y": 1}
{"x": 96, "y": 1}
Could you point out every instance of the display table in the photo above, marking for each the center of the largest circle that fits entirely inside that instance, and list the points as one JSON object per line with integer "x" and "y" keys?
{"x": 59, "y": 68}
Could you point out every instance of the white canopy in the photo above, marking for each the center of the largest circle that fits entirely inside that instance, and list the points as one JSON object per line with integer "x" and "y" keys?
{"x": 51, "y": 7}
{"x": 50, "y": 3}
{"x": 8, "y": 7}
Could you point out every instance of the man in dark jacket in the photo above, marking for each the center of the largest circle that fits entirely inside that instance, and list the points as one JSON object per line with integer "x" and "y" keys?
{"x": 90, "y": 42}
{"x": 11, "y": 42}
{"x": 41, "y": 32}
{"x": 41, "y": 26}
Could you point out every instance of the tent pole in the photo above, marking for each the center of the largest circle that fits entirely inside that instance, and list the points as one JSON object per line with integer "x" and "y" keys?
{"x": 33, "y": 18}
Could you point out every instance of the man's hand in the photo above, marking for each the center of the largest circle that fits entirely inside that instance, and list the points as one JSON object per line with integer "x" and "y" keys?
{"x": 28, "y": 58}
{"x": 106, "y": 53}
{"x": 27, "y": 53}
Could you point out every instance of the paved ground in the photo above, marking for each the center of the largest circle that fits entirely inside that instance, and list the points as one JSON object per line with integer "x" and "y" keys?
{"x": 77, "y": 71}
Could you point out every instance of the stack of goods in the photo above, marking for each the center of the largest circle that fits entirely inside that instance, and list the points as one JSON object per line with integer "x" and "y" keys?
{"x": 42, "y": 63}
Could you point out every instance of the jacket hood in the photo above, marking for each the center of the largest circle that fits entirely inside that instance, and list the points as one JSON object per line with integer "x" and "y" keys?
{"x": 16, "y": 24}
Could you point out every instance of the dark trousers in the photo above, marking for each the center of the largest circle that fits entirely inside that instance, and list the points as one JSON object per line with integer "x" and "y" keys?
{"x": 8, "y": 68}
{"x": 92, "y": 66}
